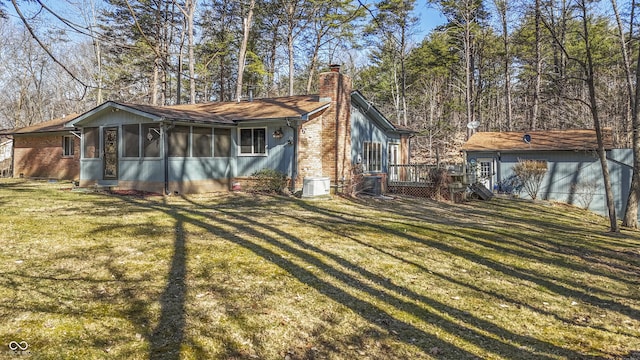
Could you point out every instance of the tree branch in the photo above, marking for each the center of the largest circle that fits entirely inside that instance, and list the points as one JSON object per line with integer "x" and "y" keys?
{"x": 46, "y": 49}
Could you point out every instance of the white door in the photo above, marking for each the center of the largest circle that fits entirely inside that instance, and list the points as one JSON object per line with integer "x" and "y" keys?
{"x": 485, "y": 173}
{"x": 394, "y": 158}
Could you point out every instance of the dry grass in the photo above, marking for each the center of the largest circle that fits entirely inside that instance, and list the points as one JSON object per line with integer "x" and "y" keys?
{"x": 236, "y": 276}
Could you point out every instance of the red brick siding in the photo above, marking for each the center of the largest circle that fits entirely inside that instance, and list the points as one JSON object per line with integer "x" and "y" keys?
{"x": 336, "y": 126}
{"x": 310, "y": 141}
{"x": 41, "y": 156}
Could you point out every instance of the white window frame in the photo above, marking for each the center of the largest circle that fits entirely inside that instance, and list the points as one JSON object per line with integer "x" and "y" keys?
{"x": 253, "y": 150}
{"x": 372, "y": 156}
{"x": 66, "y": 141}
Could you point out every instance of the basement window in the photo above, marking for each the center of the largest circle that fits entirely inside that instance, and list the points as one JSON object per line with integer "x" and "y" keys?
{"x": 253, "y": 141}
{"x": 68, "y": 145}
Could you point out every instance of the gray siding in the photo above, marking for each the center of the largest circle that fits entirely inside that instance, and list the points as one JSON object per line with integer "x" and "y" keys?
{"x": 569, "y": 172}
{"x": 364, "y": 130}
{"x": 279, "y": 152}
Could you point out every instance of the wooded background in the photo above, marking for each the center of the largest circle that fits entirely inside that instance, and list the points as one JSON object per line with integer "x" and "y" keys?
{"x": 508, "y": 65}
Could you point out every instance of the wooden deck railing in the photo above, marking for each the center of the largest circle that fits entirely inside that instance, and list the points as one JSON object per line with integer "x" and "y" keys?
{"x": 416, "y": 174}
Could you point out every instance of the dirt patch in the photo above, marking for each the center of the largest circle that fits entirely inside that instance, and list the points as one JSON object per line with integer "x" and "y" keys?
{"x": 133, "y": 193}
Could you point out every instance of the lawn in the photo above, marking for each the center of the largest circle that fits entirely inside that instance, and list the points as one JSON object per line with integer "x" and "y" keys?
{"x": 242, "y": 276}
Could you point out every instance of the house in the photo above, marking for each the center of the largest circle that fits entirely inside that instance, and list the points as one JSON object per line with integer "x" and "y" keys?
{"x": 6, "y": 155}
{"x": 574, "y": 174}
{"x": 47, "y": 150}
{"x": 208, "y": 147}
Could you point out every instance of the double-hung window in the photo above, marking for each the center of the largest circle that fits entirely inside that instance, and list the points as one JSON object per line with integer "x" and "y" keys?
{"x": 253, "y": 141}
{"x": 67, "y": 145}
{"x": 372, "y": 156}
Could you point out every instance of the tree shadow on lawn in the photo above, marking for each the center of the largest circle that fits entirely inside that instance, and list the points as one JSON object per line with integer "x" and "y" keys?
{"x": 501, "y": 232}
{"x": 323, "y": 224}
{"x": 473, "y": 235}
{"x": 244, "y": 231}
{"x": 288, "y": 251}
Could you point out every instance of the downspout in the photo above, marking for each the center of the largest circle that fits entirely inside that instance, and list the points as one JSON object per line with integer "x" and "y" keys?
{"x": 165, "y": 154}
{"x": 294, "y": 165}
{"x": 338, "y": 138}
{"x": 13, "y": 156}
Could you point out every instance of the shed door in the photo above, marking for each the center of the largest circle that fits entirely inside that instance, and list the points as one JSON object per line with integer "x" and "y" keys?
{"x": 485, "y": 172}
{"x": 110, "y": 159}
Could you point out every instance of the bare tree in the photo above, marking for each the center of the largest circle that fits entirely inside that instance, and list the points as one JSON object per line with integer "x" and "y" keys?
{"x": 535, "y": 108}
{"x": 503, "y": 7}
{"x": 631, "y": 214}
{"x": 246, "y": 28}
{"x": 590, "y": 69}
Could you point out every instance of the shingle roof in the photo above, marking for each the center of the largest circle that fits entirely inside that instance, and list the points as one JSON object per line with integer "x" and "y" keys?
{"x": 540, "y": 140}
{"x": 54, "y": 125}
{"x": 232, "y": 112}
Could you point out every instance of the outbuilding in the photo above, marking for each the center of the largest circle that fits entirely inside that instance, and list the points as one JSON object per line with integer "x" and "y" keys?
{"x": 574, "y": 174}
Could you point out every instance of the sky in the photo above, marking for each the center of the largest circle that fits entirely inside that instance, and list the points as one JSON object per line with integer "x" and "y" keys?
{"x": 428, "y": 15}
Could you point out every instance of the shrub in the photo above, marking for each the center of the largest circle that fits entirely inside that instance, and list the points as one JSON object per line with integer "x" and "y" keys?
{"x": 440, "y": 181}
{"x": 585, "y": 191}
{"x": 510, "y": 185}
{"x": 269, "y": 181}
{"x": 531, "y": 173}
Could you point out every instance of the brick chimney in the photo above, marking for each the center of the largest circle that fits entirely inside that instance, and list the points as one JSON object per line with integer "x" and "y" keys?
{"x": 336, "y": 125}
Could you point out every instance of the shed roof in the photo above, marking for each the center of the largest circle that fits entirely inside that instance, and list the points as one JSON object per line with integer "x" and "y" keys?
{"x": 539, "y": 140}
{"x": 222, "y": 112}
{"x": 55, "y": 125}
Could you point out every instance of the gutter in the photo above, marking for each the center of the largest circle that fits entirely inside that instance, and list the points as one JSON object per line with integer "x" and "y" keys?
{"x": 306, "y": 116}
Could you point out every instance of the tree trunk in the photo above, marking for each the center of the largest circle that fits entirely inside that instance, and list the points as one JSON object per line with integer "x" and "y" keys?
{"x": 243, "y": 48}
{"x": 314, "y": 62}
{"x": 502, "y": 8}
{"x": 535, "y": 108}
{"x": 179, "y": 72}
{"x": 631, "y": 214}
{"x": 191, "y": 10}
{"x": 590, "y": 70}
{"x": 291, "y": 62}
{"x": 272, "y": 59}
{"x": 290, "y": 29}
{"x": 468, "y": 70}
{"x": 403, "y": 75}
{"x": 154, "y": 82}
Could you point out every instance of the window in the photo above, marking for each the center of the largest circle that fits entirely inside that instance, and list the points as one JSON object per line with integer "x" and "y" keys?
{"x": 253, "y": 141}
{"x": 91, "y": 143}
{"x": 179, "y": 141}
{"x": 372, "y": 156}
{"x": 67, "y": 145}
{"x": 201, "y": 146}
{"x": 222, "y": 142}
{"x": 151, "y": 143}
{"x": 131, "y": 137}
